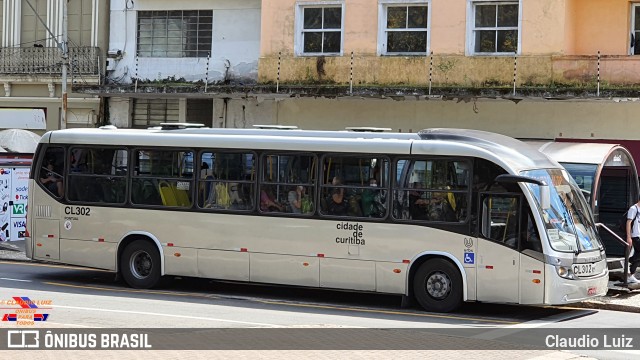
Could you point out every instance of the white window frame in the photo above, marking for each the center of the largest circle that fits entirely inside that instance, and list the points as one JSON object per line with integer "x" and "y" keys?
{"x": 471, "y": 26}
{"x": 383, "y": 5}
{"x": 633, "y": 31}
{"x": 299, "y": 23}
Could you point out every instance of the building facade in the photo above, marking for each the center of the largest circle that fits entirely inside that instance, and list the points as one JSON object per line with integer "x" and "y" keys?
{"x": 31, "y": 61}
{"x": 166, "y": 59}
{"x": 547, "y": 69}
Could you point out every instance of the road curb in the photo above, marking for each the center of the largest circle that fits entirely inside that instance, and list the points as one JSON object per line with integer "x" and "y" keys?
{"x": 16, "y": 260}
{"x": 607, "y": 306}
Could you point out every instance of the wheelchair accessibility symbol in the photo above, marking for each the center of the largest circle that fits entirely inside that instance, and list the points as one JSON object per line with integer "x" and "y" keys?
{"x": 469, "y": 258}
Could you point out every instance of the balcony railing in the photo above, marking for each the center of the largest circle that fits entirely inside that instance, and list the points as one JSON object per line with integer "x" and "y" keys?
{"x": 83, "y": 60}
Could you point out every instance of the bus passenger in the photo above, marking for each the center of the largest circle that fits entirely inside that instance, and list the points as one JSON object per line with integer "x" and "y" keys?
{"x": 295, "y": 199}
{"x": 440, "y": 209}
{"x": 373, "y": 200}
{"x": 268, "y": 201}
{"x": 337, "y": 204}
{"x": 418, "y": 204}
{"x": 51, "y": 180}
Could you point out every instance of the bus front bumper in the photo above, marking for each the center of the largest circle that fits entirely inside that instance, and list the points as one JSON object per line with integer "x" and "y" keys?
{"x": 561, "y": 291}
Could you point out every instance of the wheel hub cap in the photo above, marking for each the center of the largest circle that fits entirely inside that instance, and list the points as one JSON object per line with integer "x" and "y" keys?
{"x": 141, "y": 264}
{"x": 438, "y": 285}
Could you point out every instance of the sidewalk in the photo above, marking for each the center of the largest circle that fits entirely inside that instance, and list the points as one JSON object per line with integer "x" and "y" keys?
{"x": 13, "y": 250}
{"x": 617, "y": 299}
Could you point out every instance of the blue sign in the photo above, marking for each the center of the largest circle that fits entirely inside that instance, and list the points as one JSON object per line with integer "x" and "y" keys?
{"x": 469, "y": 258}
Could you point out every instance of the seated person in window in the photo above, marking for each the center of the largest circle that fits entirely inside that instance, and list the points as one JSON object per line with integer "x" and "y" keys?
{"x": 337, "y": 204}
{"x": 373, "y": 200}
{"x": 418, "y": 203}
{"x": 51, "y": 180}
{"x": 295, "y": 199}
{"x": 268, "y": 200}
{"x": 439, "y": 208}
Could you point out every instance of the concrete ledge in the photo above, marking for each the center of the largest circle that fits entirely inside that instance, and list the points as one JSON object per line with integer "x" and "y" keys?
{"x": 601, "y": 305}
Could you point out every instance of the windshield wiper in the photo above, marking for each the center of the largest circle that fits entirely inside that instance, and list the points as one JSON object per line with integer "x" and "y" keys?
{"x": 575, "y": 231}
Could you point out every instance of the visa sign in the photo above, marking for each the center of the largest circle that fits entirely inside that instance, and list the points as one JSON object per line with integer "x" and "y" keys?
{"x": 19, "y": 209}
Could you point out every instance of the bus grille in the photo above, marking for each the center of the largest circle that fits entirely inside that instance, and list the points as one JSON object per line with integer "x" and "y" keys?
{"x": 43, "y": 211}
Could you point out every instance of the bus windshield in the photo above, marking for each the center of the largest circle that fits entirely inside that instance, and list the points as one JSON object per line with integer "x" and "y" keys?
{"x": 583, "y": 175}
{"x": 568, "y": 222}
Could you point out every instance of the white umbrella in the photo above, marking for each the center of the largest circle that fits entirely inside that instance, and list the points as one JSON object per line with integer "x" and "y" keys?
{"x": 19, "y": 141}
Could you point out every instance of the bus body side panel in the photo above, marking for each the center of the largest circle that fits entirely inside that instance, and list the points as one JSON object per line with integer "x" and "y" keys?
{"x": 44, "y": 215}
{"x": 531, "y": 280}
{"x": 498, "y": 269}
{"x": 285, "y": 269}
{"x": 221, "y": 264}
{"x": 348, "y": 274}
{"x": 390, "y": 277}
{"x": 181, "y": 261}
{"x": 48, "y": 240}
{"x": 82, "y": 253}
{"x": 29, "y": 227}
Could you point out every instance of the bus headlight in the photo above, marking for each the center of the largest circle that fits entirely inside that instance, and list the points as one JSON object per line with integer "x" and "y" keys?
{"x": 564, "y": 272}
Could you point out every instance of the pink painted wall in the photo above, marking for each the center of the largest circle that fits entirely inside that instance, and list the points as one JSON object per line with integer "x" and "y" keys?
{"x": 277, "y": 26}
{"x": 448, "y": 27}
{"x": 543, "y": 27}
{"x": 600, "y": 25}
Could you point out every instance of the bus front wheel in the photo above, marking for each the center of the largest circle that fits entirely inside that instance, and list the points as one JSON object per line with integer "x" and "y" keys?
{"x": 437, "y": 286}
{"x": 140, "y": 265}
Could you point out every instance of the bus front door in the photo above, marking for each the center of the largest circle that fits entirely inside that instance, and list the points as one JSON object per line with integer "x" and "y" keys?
{"x": 498, "y": 265}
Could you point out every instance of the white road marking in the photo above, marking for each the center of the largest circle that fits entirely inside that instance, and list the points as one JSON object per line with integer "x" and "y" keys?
{"x": 67, "y": 325}
{"x": 165, "y": 315}
{"x": 512, "y": 329}
{"x": 9, "y": 279}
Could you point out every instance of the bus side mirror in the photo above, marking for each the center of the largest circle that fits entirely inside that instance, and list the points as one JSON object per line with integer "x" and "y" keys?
{"x": 545, "y": 197}
{"x": 545, "y": 194}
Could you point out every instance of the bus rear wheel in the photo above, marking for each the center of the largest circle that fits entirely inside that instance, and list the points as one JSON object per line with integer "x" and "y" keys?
{"x": 437, "y": 285}
{"x": 140, "y": 265}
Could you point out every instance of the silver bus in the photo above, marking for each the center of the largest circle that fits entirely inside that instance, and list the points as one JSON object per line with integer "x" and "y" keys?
{"x": 446, "y": 216}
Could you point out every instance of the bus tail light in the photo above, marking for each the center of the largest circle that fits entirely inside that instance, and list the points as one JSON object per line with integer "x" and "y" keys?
{"x": 26, "y": 228}
{"x": 397, "y": 271}
{"x": 536, "y": 281}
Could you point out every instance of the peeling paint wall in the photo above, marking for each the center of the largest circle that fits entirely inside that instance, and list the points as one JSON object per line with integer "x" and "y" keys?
{"x": 120, "y": 112}
{"x": 447, "y": 70}
{"x": 552, "y": 33}
{"x": 234, "y": 51}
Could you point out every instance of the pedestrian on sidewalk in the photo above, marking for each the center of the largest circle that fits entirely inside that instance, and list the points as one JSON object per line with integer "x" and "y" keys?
{"x": 633, "y": 240}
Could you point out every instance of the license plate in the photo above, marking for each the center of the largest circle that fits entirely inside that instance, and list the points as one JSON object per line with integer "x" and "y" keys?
{"x": 584, "y": 269}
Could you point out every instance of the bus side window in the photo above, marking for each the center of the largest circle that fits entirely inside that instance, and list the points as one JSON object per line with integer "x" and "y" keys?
{"x": 51, "y": 172}
{"x": 93, "y": 175}
{"x": 531, "y": 236}
{"x": 354, "y": 186}
{"x": 500, "y": 219}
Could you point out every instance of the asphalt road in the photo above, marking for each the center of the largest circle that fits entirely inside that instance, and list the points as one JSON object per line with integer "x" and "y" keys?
{"x": 95, "y": 299}
{"x": 69, "y": 283}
